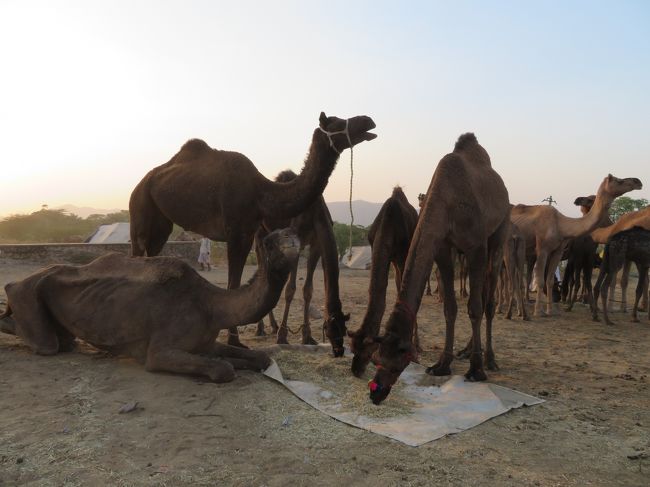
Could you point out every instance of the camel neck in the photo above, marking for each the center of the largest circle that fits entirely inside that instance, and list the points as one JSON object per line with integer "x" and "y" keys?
{"x": 576, "y": 227}
{"x": 287, "y": 200}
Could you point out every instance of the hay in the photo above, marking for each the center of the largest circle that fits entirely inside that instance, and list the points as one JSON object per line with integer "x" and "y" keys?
{"x": 340, "y": 388}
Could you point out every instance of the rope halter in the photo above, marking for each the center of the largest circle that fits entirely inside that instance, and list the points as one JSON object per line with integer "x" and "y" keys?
{"x": 330, "y": 134}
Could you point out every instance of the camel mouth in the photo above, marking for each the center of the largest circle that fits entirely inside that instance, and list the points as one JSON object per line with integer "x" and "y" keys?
{"x": 369, "y": 136}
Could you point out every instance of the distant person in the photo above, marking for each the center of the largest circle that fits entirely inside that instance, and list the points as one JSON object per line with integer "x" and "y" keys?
{"x": 204, "y": 254}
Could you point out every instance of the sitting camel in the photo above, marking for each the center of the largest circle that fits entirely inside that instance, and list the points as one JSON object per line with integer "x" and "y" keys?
{"x": 158, "y": 310}
{"x": 466, "y": 208}
{"x": 633, "y": 245}
{"x": 547, "y": 231}
{"x": 389, "y": 236}
{"x": 222, "y": 195}
{"x": 314, "y": 228}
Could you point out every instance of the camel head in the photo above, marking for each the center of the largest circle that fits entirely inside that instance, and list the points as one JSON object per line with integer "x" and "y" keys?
{"x": 391, "y": 358}
{"x": 280, "y": 249}
{"x": 615, "y": 187}
{"x": 585, "y": 203}
{"x": 335, "y": 329}
{"x": 343, "y": 134}
{"x": 362, "y": 347}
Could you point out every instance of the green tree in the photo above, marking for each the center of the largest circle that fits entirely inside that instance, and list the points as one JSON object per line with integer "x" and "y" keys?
{"x": 624, "y": 204}
{"x": 342, "y": 236}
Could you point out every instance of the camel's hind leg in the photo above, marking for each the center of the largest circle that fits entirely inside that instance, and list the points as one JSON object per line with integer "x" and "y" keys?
{"x": 640, "y": 290}
{"x": 289, "y": 292}
{"x": 238, "y": 248}
{"x": 32, "y": 322}
{"x": 477, "y": 260}
{"x": 307, "y": 293}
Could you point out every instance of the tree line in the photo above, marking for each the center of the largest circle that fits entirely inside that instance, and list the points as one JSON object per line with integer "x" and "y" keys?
{"x": 58, "y": 226}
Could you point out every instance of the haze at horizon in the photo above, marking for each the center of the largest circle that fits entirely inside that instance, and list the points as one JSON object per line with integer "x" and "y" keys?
{"x": 96, "y": 94}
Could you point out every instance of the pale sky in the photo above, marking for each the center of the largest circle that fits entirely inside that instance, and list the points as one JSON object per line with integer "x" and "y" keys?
{"x": 93, "y": 94}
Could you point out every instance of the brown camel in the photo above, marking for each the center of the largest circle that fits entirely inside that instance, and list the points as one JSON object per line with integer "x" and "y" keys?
{"x": 632, "y": 245}
{"x": 314, "y": 228}
{"x": 640, "y": 219}
{"x": 389, "y": 236}
{"x": 222, "y": 195}
{"x": 466, "y": 208}
{"x": 158, "y": 310}
{"x": 547, "y": 231}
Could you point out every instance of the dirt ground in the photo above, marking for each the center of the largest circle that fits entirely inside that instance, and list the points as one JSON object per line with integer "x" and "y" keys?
{"x": 60, "y": 422}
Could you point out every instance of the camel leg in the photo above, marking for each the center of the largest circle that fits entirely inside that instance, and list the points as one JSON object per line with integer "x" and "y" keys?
{"x": 182, "y": 362}
{"x": 307, "y": 293}
{"x": 450, "y": 308}
{"x": 477, "y": 264}
{"x": 625, "y": 279}
{"x": 462, "y": 274}
{"x": 428, "y": 291}
{"x": 241, "y": 358}
{"x": 574, "y": 285}
{"x": 289, "y": 293}
{"x": 640, "y": 290}
{"x": 587, "y": 286}
{"x": 238, "y": 249}
{"x": 599, "y": 282}
{"x": 604, "y": 289}
{"x": 552, "y": 263}
{"x": 495, "y": 264}
{"x": 540, "y": 279}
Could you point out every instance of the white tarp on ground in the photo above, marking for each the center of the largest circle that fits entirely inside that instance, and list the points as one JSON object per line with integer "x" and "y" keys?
{"x": 361, "y": 258}
{"x": 452, "y": 407}
{"x": 114, "y": 233}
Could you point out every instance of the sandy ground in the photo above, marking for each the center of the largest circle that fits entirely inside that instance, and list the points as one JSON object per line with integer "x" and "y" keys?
{"x": 60, "y": 422}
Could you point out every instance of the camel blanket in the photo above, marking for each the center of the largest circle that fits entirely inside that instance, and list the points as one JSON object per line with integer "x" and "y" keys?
{"x": 443, "y": 405}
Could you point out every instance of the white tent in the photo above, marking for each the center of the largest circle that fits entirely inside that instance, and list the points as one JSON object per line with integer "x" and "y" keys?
{"x": 361, "y": 258}
{"x": 114, "y": 233}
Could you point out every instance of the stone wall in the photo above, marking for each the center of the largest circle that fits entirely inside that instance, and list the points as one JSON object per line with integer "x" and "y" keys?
{"x": 82, "y": 253}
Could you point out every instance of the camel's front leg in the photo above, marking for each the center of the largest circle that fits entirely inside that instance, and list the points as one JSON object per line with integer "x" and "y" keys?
{"x": 307, "y": 293}
{"x": 289, "y": 293}
{"x": 238, "y": 248}
{"x": 182, "y": 362}
{"x": 450, "y": 308}
{"x": 240, "y": 358}
{"x": 552, "y": 263}
{"x": 477, "y": 263}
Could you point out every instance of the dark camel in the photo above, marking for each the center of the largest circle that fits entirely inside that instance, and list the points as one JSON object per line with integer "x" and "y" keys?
{"x": 512, "y": 274}
{"x": 222, "y": 195}
{"x": 633, "y": 245}
{"x": 314, "y": 228}
{"x": 466, "y": 208}
{"x": 158, "y": 310}
{"x": 389, "y": 236}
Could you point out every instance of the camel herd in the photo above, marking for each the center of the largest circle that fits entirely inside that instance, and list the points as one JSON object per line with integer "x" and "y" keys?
{"x": 160, "y": 311}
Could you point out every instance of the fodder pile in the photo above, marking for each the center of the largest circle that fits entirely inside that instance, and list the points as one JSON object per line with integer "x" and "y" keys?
{"x": 348, "y": 392}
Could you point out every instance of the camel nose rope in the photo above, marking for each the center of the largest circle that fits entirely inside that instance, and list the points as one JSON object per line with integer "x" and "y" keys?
{"x": 347, "y": 134}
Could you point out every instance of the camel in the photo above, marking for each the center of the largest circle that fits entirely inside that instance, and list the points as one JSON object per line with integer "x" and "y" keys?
{"x": 633, "y": 245}
{"x": 314, "y": 228}
{"x": 389, "y": 236}
{"x": 546, "y": 231}
{"x": 466, "y": 208}
{"x": 158, "y": 310}
{"x": 581, "y": 259}
{"x": 640, "y": 219}
{"x": 221, "y": 195}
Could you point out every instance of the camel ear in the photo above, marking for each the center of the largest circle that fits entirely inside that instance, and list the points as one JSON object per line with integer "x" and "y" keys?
{"x": 610, "y": 177}
{"x": 322, "y": 119}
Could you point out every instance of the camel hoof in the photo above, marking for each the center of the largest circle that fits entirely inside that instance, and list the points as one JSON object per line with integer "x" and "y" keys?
{"x": 491, "y": 365}
{"x": 476, "y": 375}
{"x": 224, "y": 372}
{"x": 438, "y": 370}
{"x": 309, "y": 341}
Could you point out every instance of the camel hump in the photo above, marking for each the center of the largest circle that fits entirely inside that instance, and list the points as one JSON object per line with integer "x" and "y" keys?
{"x": 286, "y": 176}
{"x": 398, "y": 193}
{"x": 521, "y": 206}
{"x": 465, "y": 141}
{"x": 195, "y": 145}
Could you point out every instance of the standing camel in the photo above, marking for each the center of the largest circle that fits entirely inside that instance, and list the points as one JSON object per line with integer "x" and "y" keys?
{"x": 466, "y": 208}
{"x": 514, "y": 258}
{"x": 314, "y": 228}
{"x": 547, "y": 231}
{"x": 222, "y": 195}
{"x": 389, "y": 236}
{"x": 632, "y": 245}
